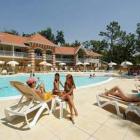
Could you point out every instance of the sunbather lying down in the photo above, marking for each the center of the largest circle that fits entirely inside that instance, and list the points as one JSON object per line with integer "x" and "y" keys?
{"x": 116, "y": 91}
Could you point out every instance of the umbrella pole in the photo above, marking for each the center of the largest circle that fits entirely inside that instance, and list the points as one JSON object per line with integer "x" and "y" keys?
{"x": 13, "y": 52}
{"x": 13, "y": 58}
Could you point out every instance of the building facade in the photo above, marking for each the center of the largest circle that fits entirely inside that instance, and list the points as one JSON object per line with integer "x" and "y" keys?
{"x": 34, "y": 49}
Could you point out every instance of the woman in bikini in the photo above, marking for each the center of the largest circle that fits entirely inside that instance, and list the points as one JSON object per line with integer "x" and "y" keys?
{"x": 56, "y": 83}
{"x": 116, "y": 91}
{"x": 68, "y": 95}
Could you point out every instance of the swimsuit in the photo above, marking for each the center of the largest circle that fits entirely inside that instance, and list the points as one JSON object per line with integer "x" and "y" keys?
{"x": 47, "y": 96}
{"x": 138, "y": 94}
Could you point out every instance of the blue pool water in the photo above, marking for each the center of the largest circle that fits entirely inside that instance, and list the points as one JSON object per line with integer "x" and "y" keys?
{"x": 6, "y": 90}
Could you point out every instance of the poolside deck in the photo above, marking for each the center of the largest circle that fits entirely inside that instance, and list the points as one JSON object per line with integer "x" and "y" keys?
{"x": 93, "y": 123}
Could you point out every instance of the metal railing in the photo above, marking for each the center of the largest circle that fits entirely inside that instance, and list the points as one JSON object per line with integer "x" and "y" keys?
{"x": 89, "y": 60}
{"x": 38, "y": 56}
{"x": 65, "y": 59}
{"x": 15, "y": 54}
{"x": 49, "y": 57}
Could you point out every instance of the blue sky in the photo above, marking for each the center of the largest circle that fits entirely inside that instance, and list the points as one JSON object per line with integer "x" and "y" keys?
{"x": 79, "y": 19}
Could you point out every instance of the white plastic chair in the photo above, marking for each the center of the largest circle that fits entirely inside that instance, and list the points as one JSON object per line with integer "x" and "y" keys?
{"x": 113, "y": 100}
{"x": 4, "y": 72}
{"x": 29, "y": 102}
{"x": 62, "y": 105}
{"x": 52, "y": 69}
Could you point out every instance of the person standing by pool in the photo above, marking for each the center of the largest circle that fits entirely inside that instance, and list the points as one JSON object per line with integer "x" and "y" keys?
{"x": 39, "y": 83}
{"x": 68, "y": 95}
{"x": 56, "y": 83}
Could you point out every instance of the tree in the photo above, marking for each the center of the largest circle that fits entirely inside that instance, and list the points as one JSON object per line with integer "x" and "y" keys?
{"x": 86, "y": 44}
{"x": 114, "y": 37}
{"x": 76, "y": 43}
{"x": 112, "y": 34}
{"x": 12, "y": 31}
{"x": 60, "y": 38}
{"x": 27, "y": 34}
{"x": 98, "y": 46}
{"x": 47, "y": 33}
{"x": 138, "y": 37}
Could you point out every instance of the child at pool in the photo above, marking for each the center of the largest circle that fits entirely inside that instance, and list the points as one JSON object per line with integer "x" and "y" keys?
{"x": 56, "y": 83}
{"x": 31, "y": 82}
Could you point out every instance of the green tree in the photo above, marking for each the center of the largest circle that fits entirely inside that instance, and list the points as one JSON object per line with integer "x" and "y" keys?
{"x": 86, "y": 44}
{"x": 12, "y": 31}
{"x": 138, "y": 37}
{"x": 114, "y": 37}
{"x": 98, "y": 46}
{"x": 112, "y": 34}
{"x": 76, "y": 43}
{"x": 47, "y": 33}
{"x": 27, "y": 34}
{"x": 60, "y": 38}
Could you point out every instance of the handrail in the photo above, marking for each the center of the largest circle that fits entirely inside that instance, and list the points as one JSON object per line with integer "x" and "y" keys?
{"x": 10, "y": 53}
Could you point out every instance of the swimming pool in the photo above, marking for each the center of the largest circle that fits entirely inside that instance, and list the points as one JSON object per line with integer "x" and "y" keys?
{"x": 6, "y": 90}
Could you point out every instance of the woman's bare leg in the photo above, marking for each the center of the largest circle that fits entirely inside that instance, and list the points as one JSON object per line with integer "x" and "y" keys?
{"x": 116, "y": 91}
{"x": 71, "y": 110}
{"x": 73, "y": 106}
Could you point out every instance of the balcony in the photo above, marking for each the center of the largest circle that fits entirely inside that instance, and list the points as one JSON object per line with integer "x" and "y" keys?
{"x": 49, "y": 57}
{"x": 15, "y": 54}
{"x": 89, "y": 60}
{"x": 38, "y": 56}
{"x": 65, "y": 60}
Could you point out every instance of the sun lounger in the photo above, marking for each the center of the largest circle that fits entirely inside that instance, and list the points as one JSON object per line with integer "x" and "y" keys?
{"x": 137, "y": 88}
{"x": 52, "y": 69}
{"x": 71, "y": 70}
{"x": 4, "y": 72}
{"x": 28, "y": 103}
{"x": 114, "y": 100}
{"x": 56, "y": 69}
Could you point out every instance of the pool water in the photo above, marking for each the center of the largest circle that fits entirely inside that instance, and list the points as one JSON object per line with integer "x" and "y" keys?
{"x": 6, "y": 90}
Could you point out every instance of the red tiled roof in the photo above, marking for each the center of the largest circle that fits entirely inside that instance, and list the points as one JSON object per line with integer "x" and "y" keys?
{"x": 10, "y": 39}
{"x": 37, "y": 38}
{"x": 91, "y": 53}
{"x": 66, "y": 50}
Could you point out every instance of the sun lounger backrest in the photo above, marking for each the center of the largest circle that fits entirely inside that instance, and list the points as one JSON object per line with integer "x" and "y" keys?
{"x": 25, "y": 90}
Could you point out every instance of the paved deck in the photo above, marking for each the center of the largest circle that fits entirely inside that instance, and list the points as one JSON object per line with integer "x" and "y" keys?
{"x": 93, "y": 123}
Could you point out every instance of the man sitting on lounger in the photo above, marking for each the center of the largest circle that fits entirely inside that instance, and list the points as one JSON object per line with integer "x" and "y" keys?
{"x": 116, "y": 91}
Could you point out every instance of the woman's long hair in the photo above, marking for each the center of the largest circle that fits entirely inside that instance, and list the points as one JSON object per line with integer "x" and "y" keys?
{"x": 72, "y": 81}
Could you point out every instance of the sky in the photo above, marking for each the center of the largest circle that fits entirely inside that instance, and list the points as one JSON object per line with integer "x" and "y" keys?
{"x": 79, "y": 19}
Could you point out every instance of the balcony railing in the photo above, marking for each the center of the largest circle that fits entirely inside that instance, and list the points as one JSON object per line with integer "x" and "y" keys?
{"x": 67, "y": 60}
{"x": 89, "y": 60}
{"x": 49, "y": 57}
{"x": 15, "y": 54}
{"x": 38, "y": 56}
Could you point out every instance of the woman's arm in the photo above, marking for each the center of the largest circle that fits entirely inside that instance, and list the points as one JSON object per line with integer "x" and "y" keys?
{"x": 71, "y": 91}
{"x": 61, "y": 84}
{"x": 40, "y": 93}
